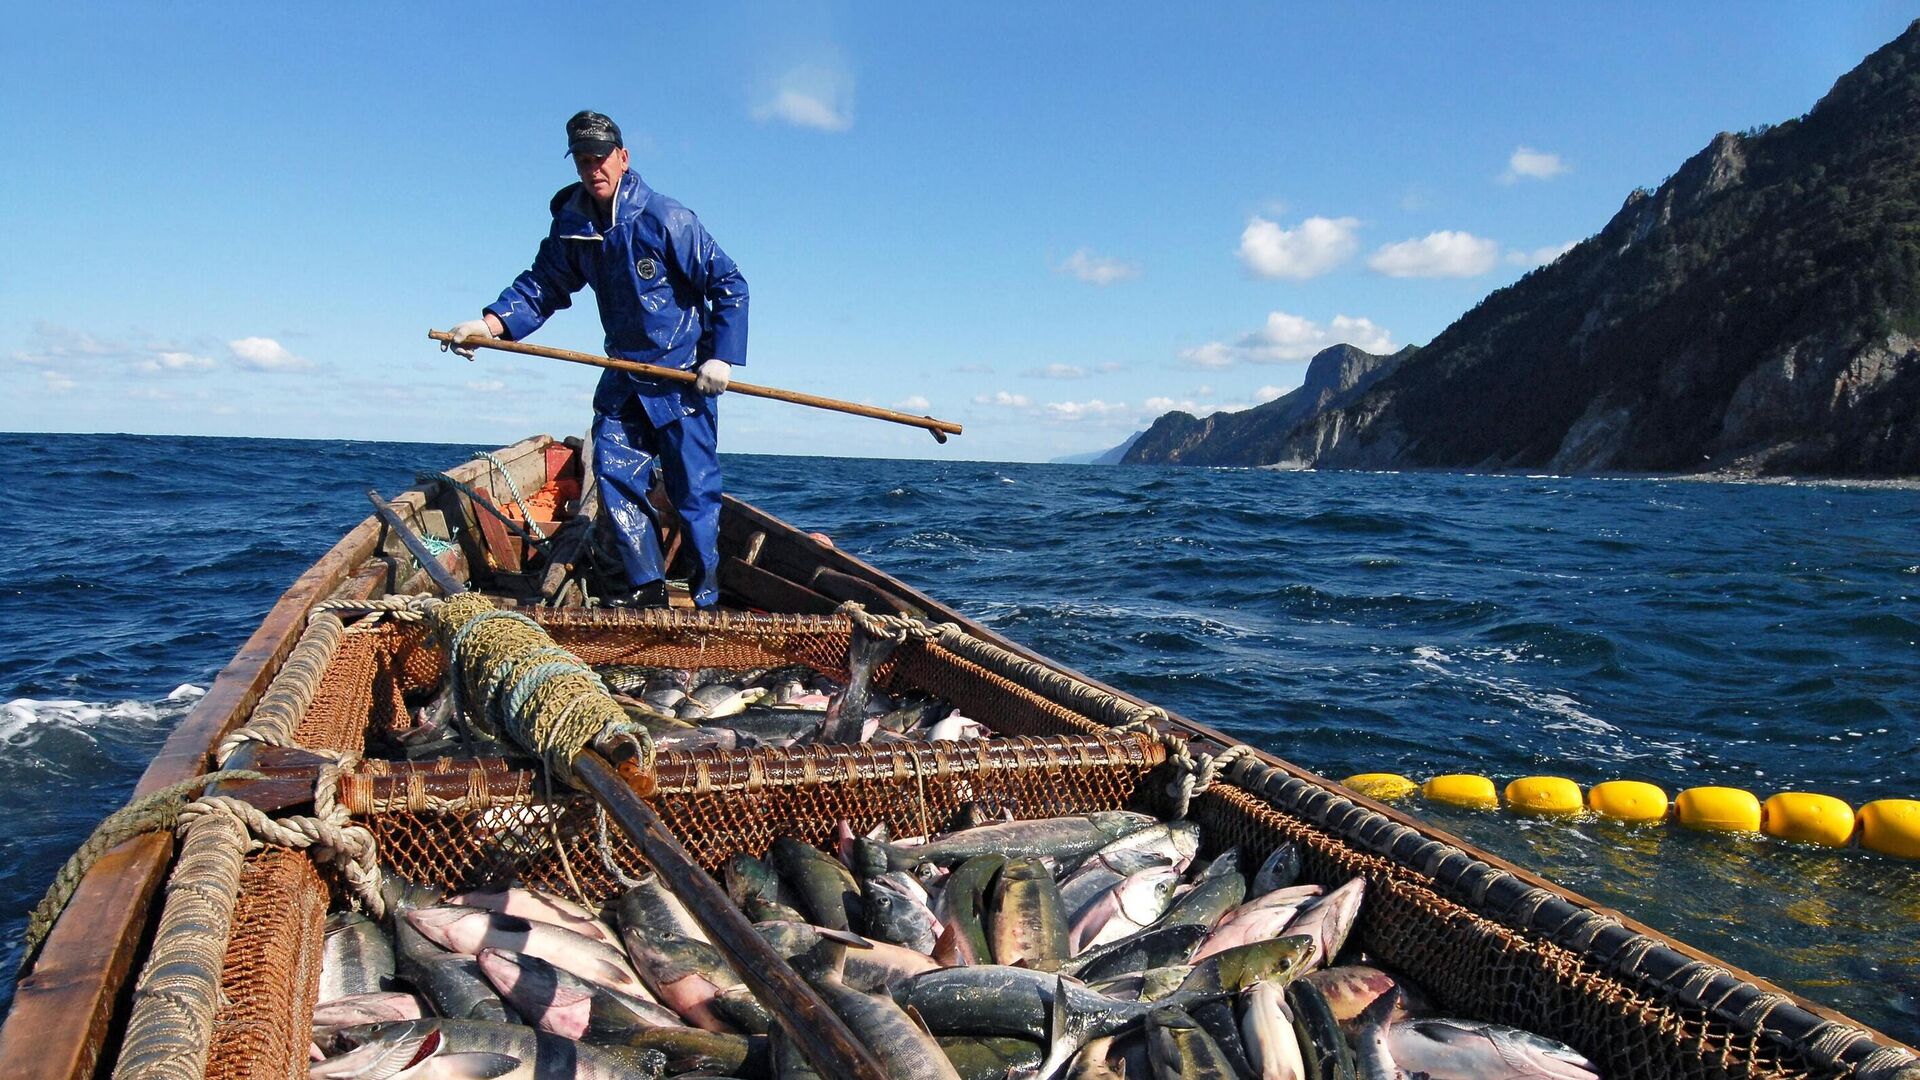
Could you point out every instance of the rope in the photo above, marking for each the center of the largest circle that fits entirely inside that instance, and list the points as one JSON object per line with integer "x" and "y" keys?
{"x": 285, "y": 702}
{"x": 484, "y": 504}
{"x": 545, "y": 698}
{"x": 156, "y": 811}
{"x": 329, "y": 835}
{"x": 515, "y": 489}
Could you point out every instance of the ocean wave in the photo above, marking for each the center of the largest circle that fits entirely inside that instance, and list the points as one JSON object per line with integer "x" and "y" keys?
{"x": 24, "y": 720}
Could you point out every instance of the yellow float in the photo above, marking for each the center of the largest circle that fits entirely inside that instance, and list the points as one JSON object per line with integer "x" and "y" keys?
{"x": 1462, "y": 789}
{"x": 1544, "y": 795}
{"x": 1717, "y": 809}
{"x": 1808, "y": 818}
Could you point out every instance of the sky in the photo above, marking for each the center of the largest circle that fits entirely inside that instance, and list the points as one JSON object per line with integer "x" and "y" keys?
{"x": 1050, "y": 223}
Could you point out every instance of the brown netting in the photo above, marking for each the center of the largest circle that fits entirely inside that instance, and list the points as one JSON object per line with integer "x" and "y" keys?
{"x": 1472, "y": 966}
{"x": 272, "y": 970}
{"x": 495, "y": 826}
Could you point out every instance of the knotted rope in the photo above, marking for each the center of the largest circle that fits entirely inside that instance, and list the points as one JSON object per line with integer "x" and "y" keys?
{"x": 1194, "y": 773}
{"x": 508, "y": 671}
{"x": 157, "y": 811}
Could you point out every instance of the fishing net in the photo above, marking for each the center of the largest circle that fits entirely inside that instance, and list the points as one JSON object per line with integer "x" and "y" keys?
{"x": 458, "y": 824}
{"x": 272, "y": 970}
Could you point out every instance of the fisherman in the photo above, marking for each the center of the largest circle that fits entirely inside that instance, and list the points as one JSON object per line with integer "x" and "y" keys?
{"x": 668, "y": 296}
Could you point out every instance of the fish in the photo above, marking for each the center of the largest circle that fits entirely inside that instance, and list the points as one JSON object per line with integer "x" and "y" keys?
{"x": 1222, "y": 1024}
{"x": 441, "y": 1049}
{"x": 356, "y": 957}
{"x": 1372, "y": 1052}
{"x": 993, "y": 999}
{"x": 957, "y": 728}
{"x": 1454, "y": 1049}
{"x": 452, "y": 983}
{"x": 863, "y": 964}
{"x": 1280, "y": 869}
{"x": 897, "y": 911}
{"x": 1323, "y": 1047}
{"x": 1262, "y": 917}
{"x": 691, "y": 1049}
{"x": 1058, "y": 838}
{"x": 995, "y": 1057}
{"x": 1350, "y": 988}
{"x": 1027, "y": 923}
{"x": 358, "y": 1009}
{"x": 828, "y": 893}
{"x": 962, "y": 911}
{"x": 687, "y": 975}
{"x": 1180, "y": 1049}
{"x": 648, "y": 905}
{"x": 565, "y": 1004}
{"x": 904, "y": 1048}
{"x": 467, "y": 930}
{"x": 1280, "y": 959}
{"x": 1149, "y": 985}
{"x": 748, "y": 878}
{"x": 1267, "y": 1032}
{"x": 847, "y": 712}
{"x": 1158, "y": 947}
{"x": 1219, "y": 889}
{"x": 1161, "y": 844}
{"x": 1329, "y": 919}
{"x": 540, "y": 907}
{"x": 1127, "y": 908}
{"x": 788, "y": 1062}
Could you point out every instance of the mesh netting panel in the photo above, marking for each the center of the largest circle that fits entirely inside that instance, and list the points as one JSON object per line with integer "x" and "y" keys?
{"x": 272, "y": 970}
{"x": 364, "y": 686}
{"x": 1474, "y": 967}
{"x": 721, "y": 803}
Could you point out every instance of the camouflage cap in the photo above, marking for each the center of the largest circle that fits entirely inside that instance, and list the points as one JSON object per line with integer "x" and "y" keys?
{"x": 592, "y": 133}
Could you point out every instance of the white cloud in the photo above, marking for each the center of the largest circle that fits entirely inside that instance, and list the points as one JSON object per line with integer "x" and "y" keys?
{"x": 1307, "y": 250}
{"x": 816, "y": 97}
{"x": 175, "y": 361}
{"x": 1269, "y": 392}
{"x": 265, "y": 354}
{"x": 1098, "y": 269}
{"x": 57, "y": 382}
{"x": 1287, "y": 338}
{"x": 1530, "y": 164}
{"x": 1540, "y": 256}
{"x": 916, "y": 403}
{"x": 487, "y": 386}
{"x": 1070, "y": 411}
{"x": 1003, "y": 399}
{"x": 1059, "y": 371}
{"x": 1440, "y": 254}
{"x": 1155, "y": 406}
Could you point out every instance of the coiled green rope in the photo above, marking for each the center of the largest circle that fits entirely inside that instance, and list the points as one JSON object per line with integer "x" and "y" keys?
{"x": 507, "y": 670}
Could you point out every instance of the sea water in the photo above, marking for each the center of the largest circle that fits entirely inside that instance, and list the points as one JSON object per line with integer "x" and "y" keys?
{"x": 1682, "y": 632}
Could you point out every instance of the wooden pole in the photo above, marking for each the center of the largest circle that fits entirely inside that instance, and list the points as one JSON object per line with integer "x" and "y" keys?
{"x": 820, "y": 1033}
{"x": 449, "y": 584}
{"x": 939, "y": 428}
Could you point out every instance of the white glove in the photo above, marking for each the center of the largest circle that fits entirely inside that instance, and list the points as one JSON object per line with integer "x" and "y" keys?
{"x": 472, "y": 328}
{"x": 713, "y": 377}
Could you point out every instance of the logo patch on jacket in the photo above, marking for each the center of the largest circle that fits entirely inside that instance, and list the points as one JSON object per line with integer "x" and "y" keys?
{"x": 646, "y": 268}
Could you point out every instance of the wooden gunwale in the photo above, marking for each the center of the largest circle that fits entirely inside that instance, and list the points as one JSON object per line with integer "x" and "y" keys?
{"x": 63, "y": 1011}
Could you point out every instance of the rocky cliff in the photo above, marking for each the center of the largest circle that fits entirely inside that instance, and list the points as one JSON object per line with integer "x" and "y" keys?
{"x": 1758, "y": 312}
{"x": 1334, "y": 377}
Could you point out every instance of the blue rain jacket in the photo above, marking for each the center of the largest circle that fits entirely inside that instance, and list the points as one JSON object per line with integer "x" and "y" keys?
{"x": 667, "y": 294}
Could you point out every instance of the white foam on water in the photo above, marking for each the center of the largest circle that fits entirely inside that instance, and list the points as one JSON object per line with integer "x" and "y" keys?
{"x": 23, "y": 720}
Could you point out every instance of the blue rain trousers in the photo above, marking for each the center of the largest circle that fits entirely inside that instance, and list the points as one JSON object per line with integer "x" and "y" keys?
{"x": 627, "y": 447}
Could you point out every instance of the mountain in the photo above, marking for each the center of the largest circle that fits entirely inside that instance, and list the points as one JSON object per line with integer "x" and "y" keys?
{"x": 1110, "y": 456}
{"x": 1759, "y": 312}
{"x": 1335, "y": 377}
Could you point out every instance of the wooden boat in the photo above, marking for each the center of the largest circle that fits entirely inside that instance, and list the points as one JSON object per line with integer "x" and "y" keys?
{"x": 1491, "y": 940}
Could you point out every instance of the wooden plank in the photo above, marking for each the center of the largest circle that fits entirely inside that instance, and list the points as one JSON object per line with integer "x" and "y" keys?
{"x": 836, "y": 585}
{"x": 769, "y": 591}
